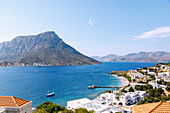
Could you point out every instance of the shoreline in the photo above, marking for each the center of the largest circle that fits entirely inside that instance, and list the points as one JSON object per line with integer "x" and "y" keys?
{"x": 124, "y": 81}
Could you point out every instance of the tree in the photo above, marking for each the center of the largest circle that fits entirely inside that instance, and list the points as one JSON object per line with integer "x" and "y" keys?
{"x": 67, "y": 111}
{"x": 82, "y": 110}
{"x": 156, "y": 100}
{"x": 164, "y": 98}
{"x": 145, "y": 68}
{"x": 149, "y": 86}
{"x": 160, "y": 90}
{"x": 49, "y": 107}
{"x": 152, "y": 92}
{"x": 131, "y": 89}
{"x": 107, "y": 91}
{"x": 129, "y": 78}
{"x": 168, "y": 86}
{"x": 141, "y": 102}
{"x": 41, "y": 111}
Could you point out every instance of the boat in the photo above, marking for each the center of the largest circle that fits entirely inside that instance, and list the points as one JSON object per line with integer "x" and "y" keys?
{"x": 50, "y": 94}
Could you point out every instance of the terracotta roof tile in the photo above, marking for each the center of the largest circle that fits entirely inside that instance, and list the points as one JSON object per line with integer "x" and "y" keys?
{"x": 162, "y": 108}
{"x": 144, "y": 108}
{"x": 159, "y": 107}
{"x": 11, "y": 101}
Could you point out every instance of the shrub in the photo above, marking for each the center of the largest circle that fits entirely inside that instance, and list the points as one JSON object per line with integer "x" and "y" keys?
{"x": 131, "y": 89}
{"x": 49, "y": 107}
{"x": 82, "y": 110}
{"x": 67, "y": 111}
{"x": 107, "y": 91}
{"x": 164, "y": 98}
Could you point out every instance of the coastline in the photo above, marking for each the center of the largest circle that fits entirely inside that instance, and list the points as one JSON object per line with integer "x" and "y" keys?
{"x": 124, "y": 81}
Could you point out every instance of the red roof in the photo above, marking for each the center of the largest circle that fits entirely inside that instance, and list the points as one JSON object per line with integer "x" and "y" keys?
{"x": 11, "y": 101}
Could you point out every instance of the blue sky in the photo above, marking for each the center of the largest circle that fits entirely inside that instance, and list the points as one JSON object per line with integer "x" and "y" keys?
{"x": 93, "y": 27}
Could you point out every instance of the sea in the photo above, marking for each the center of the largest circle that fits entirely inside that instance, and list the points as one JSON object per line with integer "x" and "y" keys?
{"x": 68, "y": 82}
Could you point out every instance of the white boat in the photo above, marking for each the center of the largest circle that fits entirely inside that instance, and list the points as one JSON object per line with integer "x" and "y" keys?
{"x": 50, "y": 94}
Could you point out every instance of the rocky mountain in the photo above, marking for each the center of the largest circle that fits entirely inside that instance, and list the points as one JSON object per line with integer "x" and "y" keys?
{"x": 105, "y": 58}
{"x": 44, "y": 48}
{"x": 159, "y": 56}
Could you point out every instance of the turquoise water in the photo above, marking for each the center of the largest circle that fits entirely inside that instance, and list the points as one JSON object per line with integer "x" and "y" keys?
{"x": 68, "y": 82}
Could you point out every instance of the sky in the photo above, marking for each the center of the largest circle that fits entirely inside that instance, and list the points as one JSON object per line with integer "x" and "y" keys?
{"x": 93, "y": 27}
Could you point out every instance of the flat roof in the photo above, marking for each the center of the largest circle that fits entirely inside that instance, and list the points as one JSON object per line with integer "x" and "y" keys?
{"x": 80, "y": 101}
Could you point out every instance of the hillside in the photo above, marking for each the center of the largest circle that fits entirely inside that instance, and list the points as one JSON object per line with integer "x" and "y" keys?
{"x": 159, "y": 56}
{"x": 44, "y": 48}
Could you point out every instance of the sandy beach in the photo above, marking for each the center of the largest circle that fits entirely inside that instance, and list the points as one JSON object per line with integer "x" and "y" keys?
{"x": 124, "y": 81}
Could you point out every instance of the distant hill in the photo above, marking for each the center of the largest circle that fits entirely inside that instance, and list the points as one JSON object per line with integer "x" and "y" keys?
{"x": 44, "y": 48}
{"x": 105, "y": 58}
{"x": 159, "y": 56}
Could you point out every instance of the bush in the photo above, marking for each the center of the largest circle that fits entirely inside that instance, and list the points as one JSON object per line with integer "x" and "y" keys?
{"x": 67, "y": 111}
{"x": 82, "y": 110}
{"x": 156, "y": 100}
{"x": 155, "y": 95}
{"x": 143, "y": 87}
{"x": 168, "y": 86}
{"x": 107, "y": 91}
{"x": 145, "y": 68}
{"x": 164, "y": 98}
{"x": 123, "y": 90}
{"x": 160, "y": 91}
{"x": 49, "y": 107}
{"x": 41, "y": 111}
{"x": 131, "y": 89}
{"x": 141, "y": 102}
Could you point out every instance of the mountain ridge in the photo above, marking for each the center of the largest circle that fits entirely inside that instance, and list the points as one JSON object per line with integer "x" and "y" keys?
{"x": 46, "y": 47}
{"x": 158, "y": 56}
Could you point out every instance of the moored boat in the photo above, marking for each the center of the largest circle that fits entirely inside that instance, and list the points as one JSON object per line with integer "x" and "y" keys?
{"x": 50, "y": 94}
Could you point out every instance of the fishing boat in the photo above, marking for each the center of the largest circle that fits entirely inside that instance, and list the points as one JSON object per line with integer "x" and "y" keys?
{"x": 50, "y": 94}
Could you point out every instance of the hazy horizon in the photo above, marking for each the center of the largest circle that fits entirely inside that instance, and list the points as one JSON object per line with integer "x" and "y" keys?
{"x": 94, "y": 28}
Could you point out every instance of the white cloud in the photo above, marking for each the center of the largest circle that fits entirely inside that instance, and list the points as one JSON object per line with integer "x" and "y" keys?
{"x": 161, "y": 32}
{"x": 90, "y": 22}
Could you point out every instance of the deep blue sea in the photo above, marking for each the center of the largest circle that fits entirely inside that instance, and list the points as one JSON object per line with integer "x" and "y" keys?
{"x": 68, "y": 82}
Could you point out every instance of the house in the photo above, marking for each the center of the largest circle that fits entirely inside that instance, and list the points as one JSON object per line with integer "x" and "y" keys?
{"x": 126, "y": 109}
{"x": 11, "y": 104}
{"x": 122, "y": 99}
{"x": 154, "y": 84}
{"x": 74, "y": 104}
{"x": 95, "y": 105}
{"x": 152, "y": 73}
{"x": 158, "y": 107}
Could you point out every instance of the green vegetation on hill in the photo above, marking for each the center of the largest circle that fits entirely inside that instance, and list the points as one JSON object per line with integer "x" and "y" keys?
{"x": 155, "y": 95}
{"x": 143, "y": 87}
{"x": 122, "y": 73}
{"x": 82, "y": 110}
{"x": 49, "y": 107}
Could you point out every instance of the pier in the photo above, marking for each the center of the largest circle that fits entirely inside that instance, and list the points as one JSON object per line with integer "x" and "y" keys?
{"x": 93, "y": 86}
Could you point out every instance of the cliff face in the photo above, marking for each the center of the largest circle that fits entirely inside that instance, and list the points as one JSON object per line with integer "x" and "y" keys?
{"x": 45, "y": 48}
{"x": 158, "y": 56}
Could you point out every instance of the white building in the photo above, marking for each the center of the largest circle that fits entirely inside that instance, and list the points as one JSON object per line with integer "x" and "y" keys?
{"x": 74, "y": 104}
{"x": 108, "y": 102}
{"x": 11, "y": 104}
{"x": 122, "y": 99}
{"x": 134, "y": 74}
{"x": 95, "y": 105}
